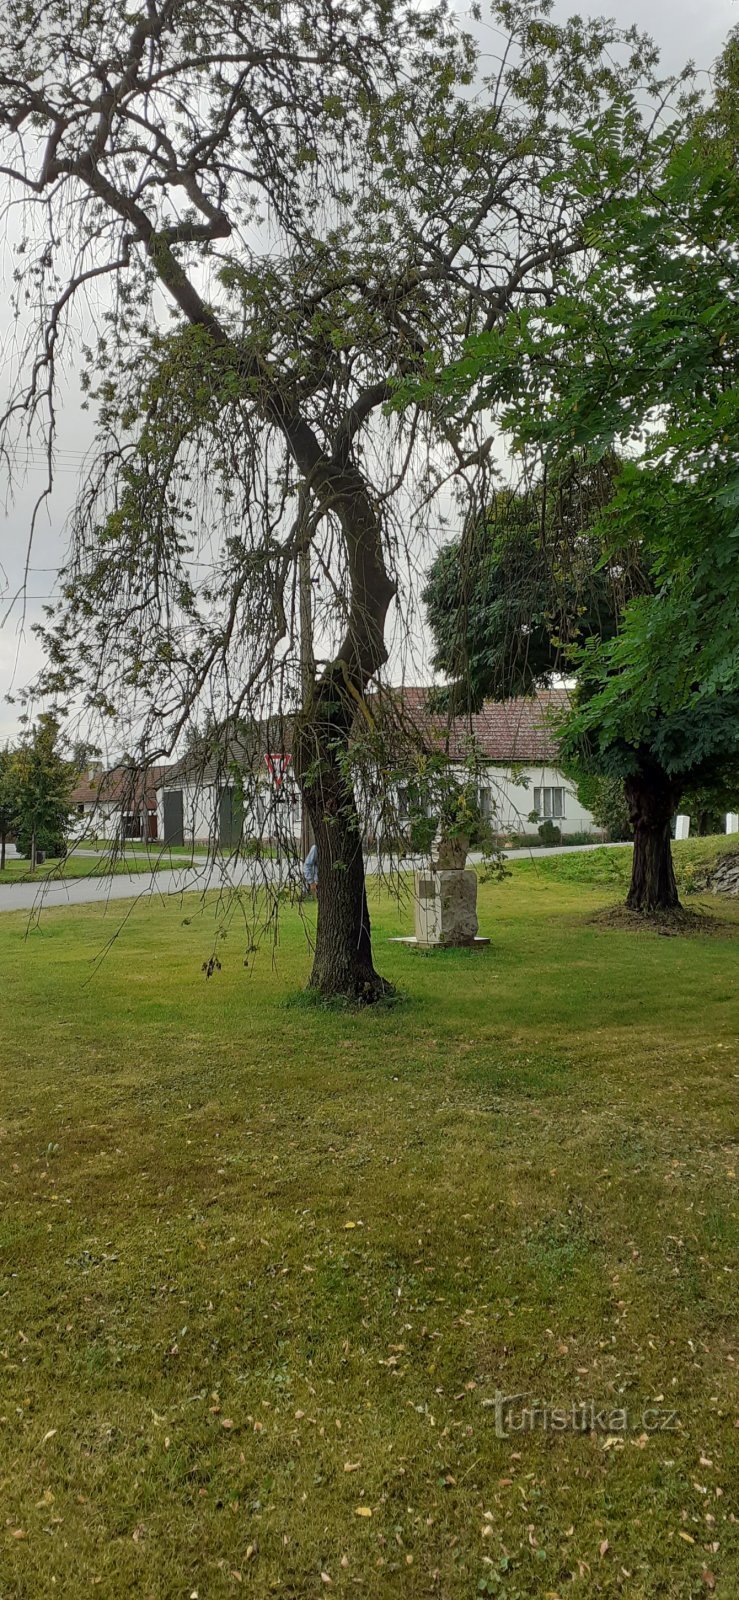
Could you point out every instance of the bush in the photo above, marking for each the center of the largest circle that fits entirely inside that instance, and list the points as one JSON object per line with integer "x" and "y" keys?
{"x": 549, "y": 833}
{"x": 54, "y": 845}
{"x": 604, "y": 799}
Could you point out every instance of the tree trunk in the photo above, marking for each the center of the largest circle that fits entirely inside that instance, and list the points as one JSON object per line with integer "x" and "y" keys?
{"x": 33, "y": 851}
{"x": 651, "y": 797}
{"x": 342, "y": 962}
{"x": 2, "y": 852}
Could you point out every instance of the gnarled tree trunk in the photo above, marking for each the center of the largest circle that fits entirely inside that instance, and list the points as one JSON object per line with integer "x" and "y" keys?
{"x": 342, "y": 963}
{"x": 652, "y": 797}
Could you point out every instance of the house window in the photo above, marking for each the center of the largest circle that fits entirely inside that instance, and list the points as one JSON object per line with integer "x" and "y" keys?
{"x": 403, "y": 802}
{"x": 485, "y": 801}
{"x": 549, "y": 802}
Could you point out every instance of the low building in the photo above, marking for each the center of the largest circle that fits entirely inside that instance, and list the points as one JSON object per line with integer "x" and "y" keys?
{"x": 240, "y": 788}
{"x": 119, "y": 804}
{"x": 206, "y": 799}
{"x": 520, "y": 782}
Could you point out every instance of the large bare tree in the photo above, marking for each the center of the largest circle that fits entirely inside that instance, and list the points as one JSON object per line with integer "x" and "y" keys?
{"x": 329, "y": 197}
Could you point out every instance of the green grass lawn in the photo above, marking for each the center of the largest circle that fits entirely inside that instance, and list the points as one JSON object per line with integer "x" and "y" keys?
{"x": 265, "y": 1265}
{"x": 151, "y": 847}
{"x": 99, "y": 865}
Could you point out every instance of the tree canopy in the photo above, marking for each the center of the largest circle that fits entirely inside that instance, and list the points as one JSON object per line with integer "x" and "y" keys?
{"x": 42, "y": 780}
{"x": 637, "y": 349}
{"x": 327, "y": 201}
{"x": 507, "y": 602}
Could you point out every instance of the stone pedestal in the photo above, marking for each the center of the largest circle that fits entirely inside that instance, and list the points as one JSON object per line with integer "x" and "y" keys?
{"x": 446, "y": 907}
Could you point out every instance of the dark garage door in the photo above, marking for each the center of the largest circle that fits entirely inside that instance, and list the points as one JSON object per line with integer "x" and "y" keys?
{"x": 230, "y": 819}
{"x": 174, "y": 817}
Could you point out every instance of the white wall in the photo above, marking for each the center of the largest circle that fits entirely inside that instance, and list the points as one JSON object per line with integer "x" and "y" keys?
{"x": 512, "y": 798}
{"x": 101, "y": 820}
{"x": 200, "y": 804}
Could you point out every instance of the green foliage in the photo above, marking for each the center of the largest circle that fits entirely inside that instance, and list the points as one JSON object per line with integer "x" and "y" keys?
{"x": 604, "y": 798}
{"x": 442, "y": 799}
{"x": 507, "y": 602}
{"x": 43, "y": 784}
{"x": 642, "y": 354}
{"x": 8, "y": 792}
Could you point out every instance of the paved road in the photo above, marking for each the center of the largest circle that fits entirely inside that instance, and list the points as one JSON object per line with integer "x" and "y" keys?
{"x": 182, "y": 880}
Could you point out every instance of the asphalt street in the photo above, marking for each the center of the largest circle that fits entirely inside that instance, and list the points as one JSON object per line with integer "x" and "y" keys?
{"x": 166, "y": 884}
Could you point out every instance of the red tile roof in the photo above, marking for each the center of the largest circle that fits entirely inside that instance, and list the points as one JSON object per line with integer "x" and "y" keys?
{"x": 509, "y": 731}
{"x": 124, "y": 786}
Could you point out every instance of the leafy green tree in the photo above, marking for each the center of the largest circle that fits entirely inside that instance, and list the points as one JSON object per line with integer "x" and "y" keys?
{"x": 605, "y": 800}
{"x": 526, "y": 582}
{"x": 325, "y": 208}
{"x": 8, "y": 799}
{"x": 641, "y": 351}
{"x": 43, "y": 781}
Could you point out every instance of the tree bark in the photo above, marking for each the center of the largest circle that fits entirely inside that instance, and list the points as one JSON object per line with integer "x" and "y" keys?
{"x": 2, "y": 852}
{"x": 342, "y": 962}
{"x": 652, "y": 797}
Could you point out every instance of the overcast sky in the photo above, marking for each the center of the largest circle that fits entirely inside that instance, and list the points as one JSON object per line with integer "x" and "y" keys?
{"x": 682, "y": 29}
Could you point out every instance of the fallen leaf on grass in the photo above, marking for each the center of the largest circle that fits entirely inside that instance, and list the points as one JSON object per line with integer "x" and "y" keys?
{"x": 363, "y": 1511}
{"x": 352, "y": 1466}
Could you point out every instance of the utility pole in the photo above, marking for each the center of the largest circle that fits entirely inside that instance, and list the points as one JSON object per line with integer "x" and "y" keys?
{"x": 307, "y": 671}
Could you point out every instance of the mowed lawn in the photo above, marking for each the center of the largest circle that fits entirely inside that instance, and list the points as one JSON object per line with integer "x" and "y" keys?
{"x": 265, "y": 1265}
{"x": 102, "y": 864}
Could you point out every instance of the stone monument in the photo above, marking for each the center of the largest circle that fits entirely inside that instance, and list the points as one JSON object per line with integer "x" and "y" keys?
{"x": 446, "y": 907}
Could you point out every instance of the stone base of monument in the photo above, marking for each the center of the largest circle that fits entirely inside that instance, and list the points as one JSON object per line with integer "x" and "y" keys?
{"x": 446, "y": 910}
{"x": 411, "y": 943}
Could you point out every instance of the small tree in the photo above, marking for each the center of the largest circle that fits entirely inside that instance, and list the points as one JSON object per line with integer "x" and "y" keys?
{"x": 604, "y": 798}
{"x": 43, "y": 782}
{"x": 8, "y": 799}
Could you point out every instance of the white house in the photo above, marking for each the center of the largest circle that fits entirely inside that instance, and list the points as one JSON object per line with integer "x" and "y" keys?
{"x": 205, "y": 801}
{"x": 516, "y": 757}
{"x": 241, "y": 788}
{"x": 119, "y": 804}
